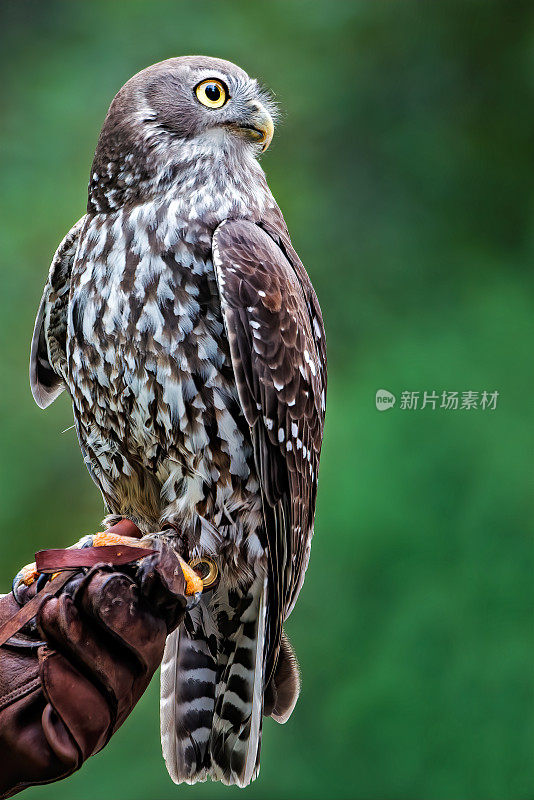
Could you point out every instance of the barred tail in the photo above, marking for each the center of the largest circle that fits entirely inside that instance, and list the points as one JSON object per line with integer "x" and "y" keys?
{"x": 188, "y": 680}
{"x": 212, "y": 689}
{"x": 237, "y": 719}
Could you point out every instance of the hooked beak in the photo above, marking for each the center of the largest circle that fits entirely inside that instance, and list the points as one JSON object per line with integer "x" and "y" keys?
{"x": 257, "y": 125}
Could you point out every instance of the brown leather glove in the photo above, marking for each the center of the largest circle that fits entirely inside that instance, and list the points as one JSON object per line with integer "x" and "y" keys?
{"x": 67, "y": 686}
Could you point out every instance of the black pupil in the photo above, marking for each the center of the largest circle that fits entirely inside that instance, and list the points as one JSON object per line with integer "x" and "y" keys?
{"x": 213, "y": 92}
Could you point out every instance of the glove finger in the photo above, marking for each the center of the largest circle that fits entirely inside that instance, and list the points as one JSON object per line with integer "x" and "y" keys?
{"x": 117, "y": 606}
{"x": 162, "y": 583}
{"x": 108, "y": 665}
{"x": 75, "y": 705}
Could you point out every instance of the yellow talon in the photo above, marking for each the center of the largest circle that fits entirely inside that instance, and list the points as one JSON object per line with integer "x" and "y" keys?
{"x": 193, "y": 584}
{"x": 105, "y": 539}
{"x": 29, "y": 574}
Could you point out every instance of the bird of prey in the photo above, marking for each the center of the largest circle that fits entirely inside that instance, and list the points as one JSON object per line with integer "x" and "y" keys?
{"x": 187, "y": 333}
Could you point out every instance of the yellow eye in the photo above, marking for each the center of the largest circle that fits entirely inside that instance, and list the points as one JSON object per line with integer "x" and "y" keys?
{"x": 212, "y": 93}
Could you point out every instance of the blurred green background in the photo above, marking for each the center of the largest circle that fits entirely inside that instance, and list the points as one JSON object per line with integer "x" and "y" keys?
{"x": 404, "y": 165}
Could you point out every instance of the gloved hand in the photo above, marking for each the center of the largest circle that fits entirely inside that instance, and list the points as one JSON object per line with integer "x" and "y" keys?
{"x": 66, "y": 688}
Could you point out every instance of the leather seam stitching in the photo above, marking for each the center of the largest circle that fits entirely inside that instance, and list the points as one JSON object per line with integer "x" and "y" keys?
{"x": 21, "y": 691}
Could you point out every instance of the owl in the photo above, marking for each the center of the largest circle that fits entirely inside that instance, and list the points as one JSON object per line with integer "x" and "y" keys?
{"x": 186, "y": 331}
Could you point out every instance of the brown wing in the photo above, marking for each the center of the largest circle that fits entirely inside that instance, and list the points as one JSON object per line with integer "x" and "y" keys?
{"x": 48, "y": 358}
{"x": 277, "y": 344}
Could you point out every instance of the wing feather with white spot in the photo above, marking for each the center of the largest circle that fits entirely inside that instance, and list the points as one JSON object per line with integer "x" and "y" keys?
{"x": 277, "y": 344}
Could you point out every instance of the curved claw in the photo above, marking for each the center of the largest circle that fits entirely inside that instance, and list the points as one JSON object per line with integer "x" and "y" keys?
{"x": 192, "y": 601}
{"x": 16, "y": 584}
{"x": 193, "y": 583}
{"x": 27, "y": 575}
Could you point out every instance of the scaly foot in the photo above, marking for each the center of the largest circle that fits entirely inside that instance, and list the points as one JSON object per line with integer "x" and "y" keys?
{"x": 193, "y": 583}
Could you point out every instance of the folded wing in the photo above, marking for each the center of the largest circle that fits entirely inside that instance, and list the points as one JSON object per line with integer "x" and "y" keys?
{"x": 48, "y": 358}
{"x": 276, "y": 336}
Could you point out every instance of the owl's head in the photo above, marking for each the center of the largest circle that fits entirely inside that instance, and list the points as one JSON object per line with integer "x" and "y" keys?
{"x": 177, "y": 111}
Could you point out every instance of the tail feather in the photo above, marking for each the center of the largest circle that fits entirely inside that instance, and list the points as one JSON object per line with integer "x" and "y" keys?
{"x": 237, "y": 719}
{"x": 212, "y": 684}
{"x": 188, "y": 676}
{"x": 283, "y": 691}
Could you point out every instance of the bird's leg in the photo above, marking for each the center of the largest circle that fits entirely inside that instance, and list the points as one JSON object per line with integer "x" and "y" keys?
{"x": 124, "y": 531}
{"x": 106, "y": 538}
{"x": 193, "y": 583}
{"x": 115, "y": 535}
{"x": 29, "y": 574}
